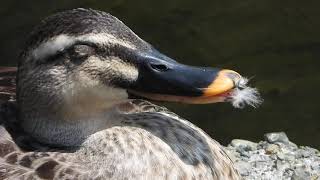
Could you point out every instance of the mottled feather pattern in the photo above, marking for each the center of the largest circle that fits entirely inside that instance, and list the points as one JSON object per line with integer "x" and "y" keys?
{"x": 199, "y": 150}
{"x": 22, "y": 157}
{"x": 45, "y": 136}
{"x": 137, "y": 140}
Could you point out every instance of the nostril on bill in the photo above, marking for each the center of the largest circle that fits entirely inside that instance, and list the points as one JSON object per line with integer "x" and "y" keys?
{"x": 159, "y": 67}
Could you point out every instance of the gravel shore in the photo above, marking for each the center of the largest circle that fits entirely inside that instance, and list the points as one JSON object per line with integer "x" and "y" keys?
{"x": 274, "y": 158}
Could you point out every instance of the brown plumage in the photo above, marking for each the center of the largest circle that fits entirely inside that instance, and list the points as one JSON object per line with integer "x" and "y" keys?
{"x": 73, "y": 118}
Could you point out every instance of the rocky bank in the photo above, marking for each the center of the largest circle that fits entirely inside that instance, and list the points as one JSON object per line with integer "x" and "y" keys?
{"x": 276, "y": 157}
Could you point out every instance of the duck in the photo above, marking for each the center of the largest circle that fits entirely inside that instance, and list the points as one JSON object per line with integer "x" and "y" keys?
{"x": 83, "y": 85}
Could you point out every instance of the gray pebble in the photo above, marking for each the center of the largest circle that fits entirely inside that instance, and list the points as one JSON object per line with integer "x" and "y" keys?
{"x": 244, "y": 144}
{"x": 275, "y": 158}
{"x": 281, "y": 156}
{"x": 277, "y": 137}
{"x": 300, "y": 174}
{"x": 272, "y": 149}
{"x": 244, "y": 168}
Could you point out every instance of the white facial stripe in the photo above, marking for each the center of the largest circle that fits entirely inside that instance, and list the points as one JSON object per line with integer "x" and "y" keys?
{"x": 63, "y": 41}
{"x": 124, "y": 69}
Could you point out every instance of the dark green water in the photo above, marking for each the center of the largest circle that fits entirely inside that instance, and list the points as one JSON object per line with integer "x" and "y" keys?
{"x": 276, "y": 42}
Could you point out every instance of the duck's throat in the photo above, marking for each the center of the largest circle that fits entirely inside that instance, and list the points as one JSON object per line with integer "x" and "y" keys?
{"x": 66, "y": 117}
{"x": 68, "y": 122}
{"x": 71, "y": 130}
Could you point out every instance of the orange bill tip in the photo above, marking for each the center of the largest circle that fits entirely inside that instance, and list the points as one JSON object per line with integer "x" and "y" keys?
{"x": 224, "y": 82}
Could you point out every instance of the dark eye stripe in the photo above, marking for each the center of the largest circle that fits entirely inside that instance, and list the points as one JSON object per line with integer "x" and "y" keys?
{"x": 60, "y": 53}
{"x": 122, "y": 52}
{"x": 51, "y": 58}
{"x": 117, "y": 50}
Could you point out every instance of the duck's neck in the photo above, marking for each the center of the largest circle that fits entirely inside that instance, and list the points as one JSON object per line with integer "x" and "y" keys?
{"x": 70, "y": 130}
{"x": 68, "y": 120}
{"x": 65, "y": 114}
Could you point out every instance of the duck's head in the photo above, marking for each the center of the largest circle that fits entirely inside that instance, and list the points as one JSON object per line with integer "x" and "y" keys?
{"x": 85, "y": 61}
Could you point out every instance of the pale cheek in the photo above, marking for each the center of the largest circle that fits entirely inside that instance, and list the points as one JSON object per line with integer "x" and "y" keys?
{"x": 109, "y": 70}
{"x": 87, "y": 96}
{"x": 89, "y": 90}
{"x": 125, "y": 70}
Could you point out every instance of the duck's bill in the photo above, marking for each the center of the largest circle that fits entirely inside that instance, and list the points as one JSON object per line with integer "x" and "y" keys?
{"x": 211, "y": 88}
{"x": 195, "y": 85}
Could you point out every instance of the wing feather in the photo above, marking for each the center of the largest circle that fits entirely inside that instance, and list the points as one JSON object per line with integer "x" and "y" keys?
{"x": 16, "y": 163}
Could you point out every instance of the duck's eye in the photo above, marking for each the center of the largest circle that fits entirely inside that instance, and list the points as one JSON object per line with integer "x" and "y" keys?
{"x": 80, "y": 52}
